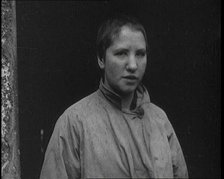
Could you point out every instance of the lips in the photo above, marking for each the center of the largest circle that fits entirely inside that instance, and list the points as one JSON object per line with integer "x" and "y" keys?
{"x": 130, "y": 77}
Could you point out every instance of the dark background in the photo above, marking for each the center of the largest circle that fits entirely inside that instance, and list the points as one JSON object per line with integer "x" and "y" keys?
{"x": 57, "y": 66}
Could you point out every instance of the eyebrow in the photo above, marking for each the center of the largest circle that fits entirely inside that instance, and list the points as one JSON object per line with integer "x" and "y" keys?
{"x": 120, "y": 49}
{"x": 142, "y": 49}
{"x": 126, "y": 49}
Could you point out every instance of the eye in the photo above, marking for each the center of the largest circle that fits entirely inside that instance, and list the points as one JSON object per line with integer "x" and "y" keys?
{"x": 121, "y": 53}
{"x": 141, "y": 53}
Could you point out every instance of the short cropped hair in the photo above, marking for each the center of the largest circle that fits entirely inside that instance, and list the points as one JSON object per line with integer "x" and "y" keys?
{"x": 111, "y": 28}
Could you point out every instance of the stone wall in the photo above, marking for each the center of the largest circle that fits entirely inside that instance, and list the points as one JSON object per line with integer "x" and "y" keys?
{"x": 10, "y": 165}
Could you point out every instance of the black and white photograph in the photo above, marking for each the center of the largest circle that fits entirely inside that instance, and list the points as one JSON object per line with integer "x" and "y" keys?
{"x": 111, "y": 89}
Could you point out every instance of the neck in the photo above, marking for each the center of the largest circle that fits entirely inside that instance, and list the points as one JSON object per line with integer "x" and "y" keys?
{"x": 126, "y": 101}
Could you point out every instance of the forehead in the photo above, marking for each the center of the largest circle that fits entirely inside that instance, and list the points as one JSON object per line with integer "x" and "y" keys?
{"x": 128, "y": 35}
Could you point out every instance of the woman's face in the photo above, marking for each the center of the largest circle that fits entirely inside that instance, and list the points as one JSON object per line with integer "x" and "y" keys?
{"x": 125, "y": 61}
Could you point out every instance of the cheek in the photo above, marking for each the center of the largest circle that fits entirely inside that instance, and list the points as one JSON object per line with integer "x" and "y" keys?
{"x": 113, "y": 69}
{"x": 142, "y": 66}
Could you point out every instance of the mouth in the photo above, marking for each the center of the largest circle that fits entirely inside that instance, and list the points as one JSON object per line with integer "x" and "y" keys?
{"x": 130, "y": 77}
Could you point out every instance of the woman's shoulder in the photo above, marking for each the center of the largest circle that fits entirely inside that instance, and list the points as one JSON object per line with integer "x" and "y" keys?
{"x": 161, "y": 118}
{"x": 74, "y": 114}
{"x": 158, "y": 110}
{"x": 83, "y": 106}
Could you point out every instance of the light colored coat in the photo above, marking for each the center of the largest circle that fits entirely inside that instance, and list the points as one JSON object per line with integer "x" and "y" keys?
{"x": 96, "y": 138}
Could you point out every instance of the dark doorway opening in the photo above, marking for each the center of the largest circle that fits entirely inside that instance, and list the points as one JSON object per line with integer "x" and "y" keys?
{"x": 57, "y": 66}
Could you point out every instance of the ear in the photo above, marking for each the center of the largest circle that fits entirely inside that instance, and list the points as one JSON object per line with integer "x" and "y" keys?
{"x": 101, "y": 63}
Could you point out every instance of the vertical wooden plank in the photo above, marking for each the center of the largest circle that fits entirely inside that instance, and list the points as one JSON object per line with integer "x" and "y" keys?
{"x": 9, "y": 108}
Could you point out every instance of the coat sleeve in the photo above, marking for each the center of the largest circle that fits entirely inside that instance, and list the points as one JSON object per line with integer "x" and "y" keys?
{"x": 62, "y": 157}
{"x": 178, "y": 161}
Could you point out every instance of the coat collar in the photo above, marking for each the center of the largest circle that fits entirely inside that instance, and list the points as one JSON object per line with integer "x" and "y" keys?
{"x": 140, "y": 97}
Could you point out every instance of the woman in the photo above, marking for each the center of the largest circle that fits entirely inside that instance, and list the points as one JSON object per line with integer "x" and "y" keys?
{"x": 116, "y": 132}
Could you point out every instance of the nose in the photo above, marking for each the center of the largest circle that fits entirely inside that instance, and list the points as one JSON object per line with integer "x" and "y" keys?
{"x": 132, "y": 64}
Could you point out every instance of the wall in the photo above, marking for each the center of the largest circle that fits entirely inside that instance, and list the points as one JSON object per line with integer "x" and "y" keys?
{"x": 10, "y": 165}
